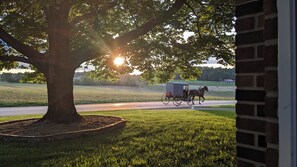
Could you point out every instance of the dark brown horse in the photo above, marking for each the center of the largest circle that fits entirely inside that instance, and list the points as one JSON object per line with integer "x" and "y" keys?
{"x": 199, "y": 93}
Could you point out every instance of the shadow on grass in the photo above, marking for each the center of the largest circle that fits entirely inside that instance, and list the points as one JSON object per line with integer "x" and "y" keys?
{"x": 36, "y": 153}
{"x": 150, "y": 138}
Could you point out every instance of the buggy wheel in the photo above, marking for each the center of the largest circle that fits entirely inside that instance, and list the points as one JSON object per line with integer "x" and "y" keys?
{"x": 177, "y": 101}
{"x": 165, "y": 100}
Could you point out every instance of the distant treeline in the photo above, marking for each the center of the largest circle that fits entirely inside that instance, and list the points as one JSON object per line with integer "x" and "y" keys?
{"x": 208, "y": 74}
{"x": 22, "y": 77}
{"x": 216, "y": 74}
{"x": 124, "y": 80}
{"x": 79, "y": 79}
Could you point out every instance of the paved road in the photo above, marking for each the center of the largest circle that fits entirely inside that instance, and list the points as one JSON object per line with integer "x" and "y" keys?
{"x": 9, "y": 111}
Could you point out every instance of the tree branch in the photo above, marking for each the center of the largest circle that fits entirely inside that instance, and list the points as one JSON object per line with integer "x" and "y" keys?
{"x": 198, "y": 23}
{"x": 7, "y": 1}
{"x": 19, "y": 46}
{"x": 132, "y": 16}
{"x": 15, "y": 58}
{"x": 82, "y": 17}
{"x": 93, "y": 13}
{"x": 129, "y": 36}
{"x": 85, "y": 54}
{"x": 88, "y": 54}
{"x": 102, "y": 3}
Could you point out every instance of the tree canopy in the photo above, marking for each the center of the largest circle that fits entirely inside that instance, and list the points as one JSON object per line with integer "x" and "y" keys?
{"x": 110, "y": 26}
{"x": 57, "y": 36}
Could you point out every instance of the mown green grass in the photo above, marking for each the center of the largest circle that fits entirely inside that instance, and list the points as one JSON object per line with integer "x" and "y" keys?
{"x": 221, "y": 106}
{"x": 150, "y": 138}
{"x": 15, "y": 94}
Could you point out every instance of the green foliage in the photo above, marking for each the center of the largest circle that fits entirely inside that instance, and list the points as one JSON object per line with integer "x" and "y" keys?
{"x": 27, "y": 77}
{"x": 150, "y": 138}
{"x": 26, "y": 22}
{"x": 10, "y": 77}
{"x": 158, "y": 54}
{"x": 123, "y": 80}
{"x": 8, "y": 65}
{"x": 216, "y": 74}
{"x": 163, "y": 54}
{"x": 33, "y": 77}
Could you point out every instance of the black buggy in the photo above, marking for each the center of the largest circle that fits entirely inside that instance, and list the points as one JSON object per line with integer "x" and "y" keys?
{"x": 177, "y": 92}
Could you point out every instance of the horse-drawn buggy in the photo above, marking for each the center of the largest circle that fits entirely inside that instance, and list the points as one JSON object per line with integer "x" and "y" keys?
{"x": 177, "y": 92}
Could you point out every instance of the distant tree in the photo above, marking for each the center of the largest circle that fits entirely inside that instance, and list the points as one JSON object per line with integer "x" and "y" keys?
{"x": 11, "y": 77}
{"x": 33, "y": 77}
{"x": 216, "y": 74}
{"x": 57, "y": 36}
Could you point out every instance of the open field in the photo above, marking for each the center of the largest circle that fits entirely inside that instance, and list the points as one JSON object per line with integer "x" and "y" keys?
{"x": 16, "y": 94}
{"x": 150, "y": 138}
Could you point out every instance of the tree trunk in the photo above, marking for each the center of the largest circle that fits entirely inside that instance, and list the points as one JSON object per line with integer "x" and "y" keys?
{"x": 60, "y": 67}
{"x": 61, "y": 107}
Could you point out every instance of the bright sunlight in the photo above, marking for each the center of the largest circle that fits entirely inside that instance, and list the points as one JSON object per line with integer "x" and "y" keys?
{"x": 118, "y": 61}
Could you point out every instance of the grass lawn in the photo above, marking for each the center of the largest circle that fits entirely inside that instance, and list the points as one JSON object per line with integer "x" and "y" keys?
{"x": 15, "y": 94}
{"x": 150, "y": 138}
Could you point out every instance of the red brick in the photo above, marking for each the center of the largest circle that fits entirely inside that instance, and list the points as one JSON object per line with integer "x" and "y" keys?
{"x": 250, "y": 95}
{"x": 250, "y": 124}
{"x": 249, "y": 8}
{"x": 245, "y": 138}
{"x": 260, "y": 81}
{"x": 271, "y": 157}
{"x": 249, "y": 38}
{"x": 244, "y": 81}
{"x": 245, "y": 109}
{"x": 245, "y": 53}
{"x": 250, "y": 67}
{"x": 260, "y": 21}
{"x": 260, "y": 111}
{"x": 270, "y": 81}
{"x": 270, "y": 55}
{"x": 270, "y": 108}
{"x": 244, "y": 164}
{"x": 270, "y": 6}
{"x": 270, "y": 31}
{"x": 260, "y": 52}
{"x": 272, "y": 133}
{"x": 255, "y": 155}
{"x": 241, "y": 1}
{"x": 245, "y": 24}
{"x": 257, "y": 76}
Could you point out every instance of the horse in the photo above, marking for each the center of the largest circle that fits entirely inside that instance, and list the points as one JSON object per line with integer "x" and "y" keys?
{"x": 199, "y": 93}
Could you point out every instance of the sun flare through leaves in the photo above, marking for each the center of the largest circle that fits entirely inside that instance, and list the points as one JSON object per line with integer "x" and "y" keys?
{"x": 118, "y": 61}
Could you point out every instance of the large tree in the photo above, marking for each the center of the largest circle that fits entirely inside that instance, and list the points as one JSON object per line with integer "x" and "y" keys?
{"x": 57, "y": 36}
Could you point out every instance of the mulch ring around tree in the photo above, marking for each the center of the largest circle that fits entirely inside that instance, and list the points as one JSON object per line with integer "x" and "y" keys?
{"x": 31, "y": 130}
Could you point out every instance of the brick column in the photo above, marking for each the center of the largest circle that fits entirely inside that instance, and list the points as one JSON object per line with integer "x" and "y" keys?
{"x": 256, "y": 81}
{"x": 250, "y": 94}
{"x": 271, "y": 81}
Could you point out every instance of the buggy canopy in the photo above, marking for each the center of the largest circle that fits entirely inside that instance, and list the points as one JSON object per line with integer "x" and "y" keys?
{"x": 176, "y": 89}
